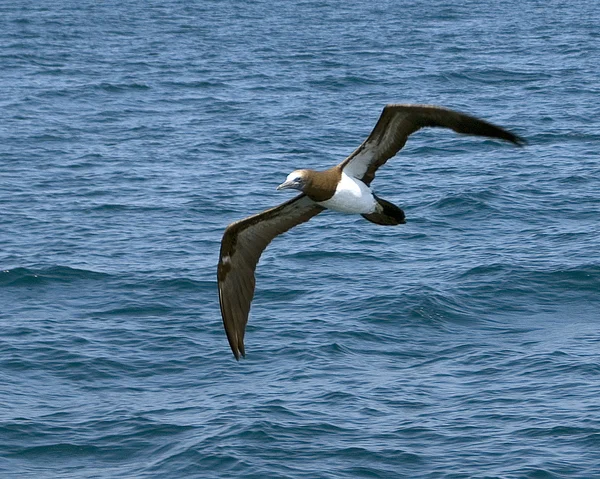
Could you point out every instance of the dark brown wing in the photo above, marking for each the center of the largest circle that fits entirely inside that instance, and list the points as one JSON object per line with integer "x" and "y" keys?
{"x": 398, "y": 122}
{"x": 242, "y": 244}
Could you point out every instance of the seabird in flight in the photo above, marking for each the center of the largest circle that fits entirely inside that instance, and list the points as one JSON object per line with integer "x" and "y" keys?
{"x": 344, "y": 188}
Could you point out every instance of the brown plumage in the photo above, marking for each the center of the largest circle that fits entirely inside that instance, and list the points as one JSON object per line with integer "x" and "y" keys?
{"x": 398, "y": 122}
{"x": 243, "y": 243}
{"x": 245, "y": 240}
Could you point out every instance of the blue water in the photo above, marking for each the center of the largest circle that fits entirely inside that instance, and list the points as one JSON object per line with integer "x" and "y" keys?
{"x": 462, "y": 344}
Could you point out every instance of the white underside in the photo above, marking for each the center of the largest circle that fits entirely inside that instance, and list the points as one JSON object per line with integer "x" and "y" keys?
{"x": 351, "y": 196}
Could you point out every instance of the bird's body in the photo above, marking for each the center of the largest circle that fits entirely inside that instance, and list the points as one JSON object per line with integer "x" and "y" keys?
{"x": 343, "y": 188}
{"x": 351, "y": 196}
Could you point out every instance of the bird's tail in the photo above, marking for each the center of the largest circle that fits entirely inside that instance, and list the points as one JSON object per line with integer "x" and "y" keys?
{"x": 386, "y": 214}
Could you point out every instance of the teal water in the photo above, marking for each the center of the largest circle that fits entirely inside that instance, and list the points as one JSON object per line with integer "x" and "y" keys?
{"x": 462, "y": 344}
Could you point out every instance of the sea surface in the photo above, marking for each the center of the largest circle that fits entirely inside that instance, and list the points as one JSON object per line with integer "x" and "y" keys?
{"x": 464, "y": 344}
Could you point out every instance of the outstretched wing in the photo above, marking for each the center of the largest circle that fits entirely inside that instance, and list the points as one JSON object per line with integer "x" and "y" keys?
{"x": 242, "y": 244}
{"x": 398, "y": 122}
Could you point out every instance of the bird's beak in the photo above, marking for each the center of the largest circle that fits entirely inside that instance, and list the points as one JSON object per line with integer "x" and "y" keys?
{"x": 287, "y": 185}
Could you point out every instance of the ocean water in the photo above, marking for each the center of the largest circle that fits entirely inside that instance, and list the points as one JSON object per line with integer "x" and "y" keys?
{"x": 463, "y": 344}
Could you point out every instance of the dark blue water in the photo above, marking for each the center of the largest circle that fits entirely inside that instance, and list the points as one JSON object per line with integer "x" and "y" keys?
{"x": 462, "y": 344}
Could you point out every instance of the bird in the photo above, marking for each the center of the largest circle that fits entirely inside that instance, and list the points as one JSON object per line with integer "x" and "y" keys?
{"x": 344, "y": 188}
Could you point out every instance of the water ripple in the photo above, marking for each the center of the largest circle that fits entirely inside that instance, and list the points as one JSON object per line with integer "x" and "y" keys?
{"x": 462, "y": 344}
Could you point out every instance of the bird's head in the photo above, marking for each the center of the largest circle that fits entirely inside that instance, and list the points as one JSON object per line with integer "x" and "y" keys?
{"x": 296, "y": 180}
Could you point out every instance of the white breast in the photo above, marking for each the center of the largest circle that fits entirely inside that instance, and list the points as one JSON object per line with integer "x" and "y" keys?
{"x": 351, "y": 196}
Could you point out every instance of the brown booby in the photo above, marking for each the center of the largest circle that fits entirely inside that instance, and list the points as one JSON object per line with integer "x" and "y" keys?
{"x": 344, "y": 188}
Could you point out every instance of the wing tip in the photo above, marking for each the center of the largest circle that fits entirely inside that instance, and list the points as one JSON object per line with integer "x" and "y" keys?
{"x": 237, "y": 347}
{"x": 510, "y": 136}
{"x": 236, "y": 344}
{"x": 519, "y": 141}
{"x": 238, "y": 353}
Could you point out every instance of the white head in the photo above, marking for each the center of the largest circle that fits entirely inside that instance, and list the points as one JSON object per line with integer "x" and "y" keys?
{"x": 296, "y": 180}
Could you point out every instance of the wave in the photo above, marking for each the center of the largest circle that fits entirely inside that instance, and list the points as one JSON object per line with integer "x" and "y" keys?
{"x": 496, "y": 75}
{"x": 121, "y": 87}
{"x": 580, "y": 278}
{"x": 504, "y": 288}
{"x": 27, "y": 276}
{"x": 22, "y": 276}
{"x": 457, "y": 204}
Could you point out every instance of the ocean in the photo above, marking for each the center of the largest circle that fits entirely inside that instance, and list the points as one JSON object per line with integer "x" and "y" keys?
{"x": 464, "y": 344}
